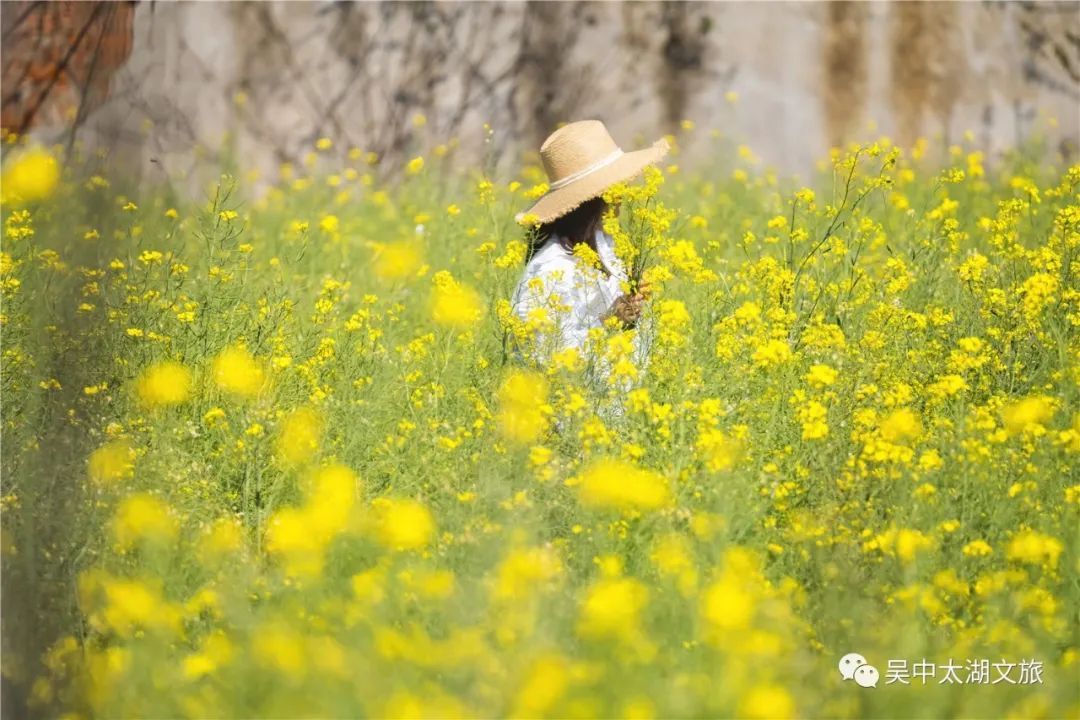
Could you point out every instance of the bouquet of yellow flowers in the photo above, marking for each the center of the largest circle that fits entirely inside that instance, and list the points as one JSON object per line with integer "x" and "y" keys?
{"x": 638, "y": 223}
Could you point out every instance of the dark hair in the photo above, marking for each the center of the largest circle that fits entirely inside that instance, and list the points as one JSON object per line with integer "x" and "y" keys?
{"x": 577, "y": 226}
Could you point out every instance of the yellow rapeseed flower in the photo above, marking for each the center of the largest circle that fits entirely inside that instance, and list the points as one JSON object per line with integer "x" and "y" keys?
{"x": 132, "y": 605}
{"x": 111, "y": 462}
{"x": 299, "y": 436}
{"x": 619, "y": 485}
{"x": 977, "y": 548}
{"x": 280, "y": 646}
{"x": 523, "y": 408}
{"x": 523, "y": 570}
{"x": 143, "y": 517}
{"x": 612, "y": 608}
{"x": 821, "y": 376}
{"x": 673, "y": 558}
{"x": 1028, "y": 414}
{"x": 454, "y": 304}
{"x": 164, "y": 383}
{"x": 771, "y": 353}
{"x": 767, "y": 701}
{"x": 30, "y": 177}
{"x": 237, "y": 372}
{"x": 332, "y": 494}
{"x": 544, "y": 684}
{"x": 718, "y": 449}
{"x": 403, "y": 524}
{"x": 1030, "y": 546}
{"x": 397, "y": 260}
{"x": 329, "y": 224}
{"x": 289, "y": 537}
{"x": 222, "y": 538}
{"x": 900, "y": 425}
{"x": 728, "y": 604}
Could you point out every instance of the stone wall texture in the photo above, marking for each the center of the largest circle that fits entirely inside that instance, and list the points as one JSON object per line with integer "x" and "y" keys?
{"x": 262, "y": 81}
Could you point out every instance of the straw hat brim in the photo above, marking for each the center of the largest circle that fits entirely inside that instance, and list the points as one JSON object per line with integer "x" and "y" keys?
{"x": 556, "y": 203}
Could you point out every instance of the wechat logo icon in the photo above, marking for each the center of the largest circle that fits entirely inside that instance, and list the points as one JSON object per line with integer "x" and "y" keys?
{"x": 853, "y": 666}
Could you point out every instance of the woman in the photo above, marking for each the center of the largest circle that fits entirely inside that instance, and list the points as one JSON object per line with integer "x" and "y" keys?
{"x": 559, "y": 292}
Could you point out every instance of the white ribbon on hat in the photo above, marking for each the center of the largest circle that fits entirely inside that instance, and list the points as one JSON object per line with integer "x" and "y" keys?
{"x": 598, "y": 165}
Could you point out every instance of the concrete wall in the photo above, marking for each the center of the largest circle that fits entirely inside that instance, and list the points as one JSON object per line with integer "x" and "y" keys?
{"x": 277, "y": 76}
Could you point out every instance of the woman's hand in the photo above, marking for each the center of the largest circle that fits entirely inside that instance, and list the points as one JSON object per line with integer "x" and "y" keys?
{"x": 627, "y": 308}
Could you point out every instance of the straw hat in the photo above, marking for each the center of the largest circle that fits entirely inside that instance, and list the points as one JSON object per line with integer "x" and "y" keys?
{"x": 582, "y": 161}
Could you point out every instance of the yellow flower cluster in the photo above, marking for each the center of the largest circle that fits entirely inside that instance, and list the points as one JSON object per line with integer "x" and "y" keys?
{"x": 309, "y": 466}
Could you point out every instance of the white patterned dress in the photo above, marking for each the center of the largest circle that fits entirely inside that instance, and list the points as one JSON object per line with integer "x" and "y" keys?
{"x": 575, "y": 297}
